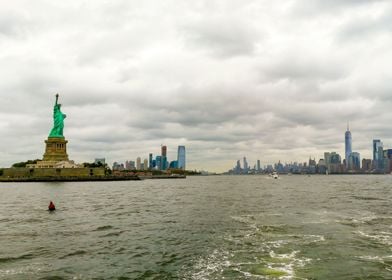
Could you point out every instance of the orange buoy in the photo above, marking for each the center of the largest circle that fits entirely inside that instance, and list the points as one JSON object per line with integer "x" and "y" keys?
{"x": 51, "y": 206}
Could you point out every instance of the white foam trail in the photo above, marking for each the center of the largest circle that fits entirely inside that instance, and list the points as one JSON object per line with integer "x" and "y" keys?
{"x": 217, "y": 261}
{"x": 384, "y": 238}
{"x": 316, "y": 238}
{"x": 30, "y": 269}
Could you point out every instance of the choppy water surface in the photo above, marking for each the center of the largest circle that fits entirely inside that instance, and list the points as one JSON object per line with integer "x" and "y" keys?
{"x": 223, "y": 227}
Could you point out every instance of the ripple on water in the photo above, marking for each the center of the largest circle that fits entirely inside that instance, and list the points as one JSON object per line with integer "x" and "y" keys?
{"x": 55, "y": 277}
{"x": 259, "y": 251}
{"x": 273, "y": 228}
{"x": 30, "y": 269}
{"x": 227, "y": 264}
{"x": 102, "y": 228}
{"x": 371, "y": 219}
{"x": 240, "y": 228}
{"x": 384, "y": 238}
{"x": 307, "y": 239}
{"x": 384, "y": 262}
{"x": 275, "y": 265}
{"x": 206, "y": 267}
{"x": 378, "y": 220}
{"x": 22, "y": 234}
{"x": 376, "y": 258}
{"x": 16, "y": 258}
{"x": 112, "y": 234}
{"x": 246, "y": 219}
{"x": 74, "y": 253}
{"x": 366, "y": 197}
{"x": 5, "y": 220}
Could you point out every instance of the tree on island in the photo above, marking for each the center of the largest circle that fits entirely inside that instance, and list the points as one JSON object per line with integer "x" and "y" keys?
{"x": 98, "y": 165}
{"x": 93, "y": 164}
{"x": 184, "y": 172}
{"x": 24, "y": 163}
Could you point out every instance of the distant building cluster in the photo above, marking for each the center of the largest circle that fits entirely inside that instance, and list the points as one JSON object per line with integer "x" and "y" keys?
{"x": 332, "y": 163}
{"x": 245, "y": 168}
{"x": 160, "y": 162}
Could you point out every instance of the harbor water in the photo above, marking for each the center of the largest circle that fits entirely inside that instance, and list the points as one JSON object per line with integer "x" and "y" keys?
{"x": 213, "y": 227}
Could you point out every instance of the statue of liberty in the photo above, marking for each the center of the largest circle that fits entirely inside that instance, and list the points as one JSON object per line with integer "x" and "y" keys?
{"x": 58, "y": 121}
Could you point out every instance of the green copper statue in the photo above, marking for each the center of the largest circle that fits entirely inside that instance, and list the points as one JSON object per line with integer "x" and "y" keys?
{"x": 58, "y": 120}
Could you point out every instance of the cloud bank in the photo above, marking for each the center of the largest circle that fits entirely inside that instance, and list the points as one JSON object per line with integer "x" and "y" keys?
{"x": 227, "y": 79}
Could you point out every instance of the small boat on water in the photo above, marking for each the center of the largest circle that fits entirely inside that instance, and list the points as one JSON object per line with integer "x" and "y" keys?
{"x": 275, "y": 175}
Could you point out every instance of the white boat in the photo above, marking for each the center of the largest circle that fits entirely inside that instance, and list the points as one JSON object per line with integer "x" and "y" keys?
{"x": 275, "y": 175}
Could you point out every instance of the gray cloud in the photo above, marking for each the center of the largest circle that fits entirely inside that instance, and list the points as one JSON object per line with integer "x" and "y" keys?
{"x": 222, "y": 36}
{"x": 271, "y": 81}
{"x": 333, "y": 6}
{"x": 298, "y": 66}
{"x": 12, "y": 25}
{"x": 365, "y": 26}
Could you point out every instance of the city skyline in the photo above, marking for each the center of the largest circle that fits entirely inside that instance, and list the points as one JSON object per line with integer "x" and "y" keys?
{"x": 158, "y": 162}
{"x": 224, "y": 79}
{"x": 332, "y": 162}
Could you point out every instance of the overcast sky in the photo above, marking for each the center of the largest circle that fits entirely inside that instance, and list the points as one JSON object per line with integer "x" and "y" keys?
{"x": 270, "y": 80}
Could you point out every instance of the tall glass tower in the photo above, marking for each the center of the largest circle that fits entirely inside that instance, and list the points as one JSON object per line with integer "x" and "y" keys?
{"x": 347, "y": 144}
{"x": 245, "y": 165}
{"x": 181, "y": 157}
{"x": 378, "y": 154}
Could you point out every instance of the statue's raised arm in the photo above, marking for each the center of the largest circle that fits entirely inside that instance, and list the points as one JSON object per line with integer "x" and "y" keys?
{"x": 58, "y": 120}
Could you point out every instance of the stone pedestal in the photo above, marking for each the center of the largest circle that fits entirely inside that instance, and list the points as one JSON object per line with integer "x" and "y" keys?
{"x": 56, "y": 149}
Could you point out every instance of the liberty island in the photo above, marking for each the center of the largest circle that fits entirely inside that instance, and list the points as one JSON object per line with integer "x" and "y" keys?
{"x": 55, "y": 165}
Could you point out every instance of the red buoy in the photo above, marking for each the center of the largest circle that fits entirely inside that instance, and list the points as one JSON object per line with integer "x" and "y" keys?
{"x": 51, "y": 206}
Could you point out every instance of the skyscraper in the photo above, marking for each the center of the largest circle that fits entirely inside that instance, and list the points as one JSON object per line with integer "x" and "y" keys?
{"x": 238, "y": 167}
{"x": 150, "y": 165}
{"x": 164, "y": 164}
{"x": 354, "y": 161}
{"x": 132, "y": 165}
{"x": 388, "y": 153}
{"x": 181, "y": 157}
{"x": 138, "y": 163}
{"x": 173, "y": 164}
{"x": 378, "y": 154}
{"x": 366, "y": 165}
{"x": 145, "y": 164}
{"x": 245, "y": 165}
{"x": 347, "y": 144}
{"x": 127, "y": 165}
{"x": 376, "y": 146}
{"x": 163, "y": 151}
{"x": 158, "y": 162}
{"x": 332, "y": 162}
